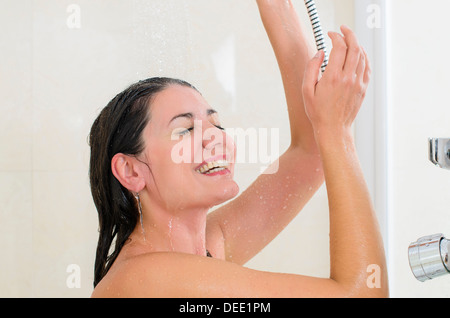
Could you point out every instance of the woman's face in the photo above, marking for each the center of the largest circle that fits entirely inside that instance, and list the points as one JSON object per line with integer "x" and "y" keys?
{"x": 183, "y": 135}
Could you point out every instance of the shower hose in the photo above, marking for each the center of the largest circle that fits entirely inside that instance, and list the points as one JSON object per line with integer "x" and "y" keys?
{"x": 317, "y": 29}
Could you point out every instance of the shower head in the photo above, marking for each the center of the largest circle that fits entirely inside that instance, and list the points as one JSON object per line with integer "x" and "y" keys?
{"x": 428, "y": 257}
{"x": 317, "y": 29}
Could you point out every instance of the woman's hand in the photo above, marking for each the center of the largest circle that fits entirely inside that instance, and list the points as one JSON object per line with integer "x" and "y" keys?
{"x": 333, "y": 101}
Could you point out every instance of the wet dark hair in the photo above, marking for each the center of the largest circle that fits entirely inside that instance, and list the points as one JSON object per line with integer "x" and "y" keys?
{"x": 118, "y": 129}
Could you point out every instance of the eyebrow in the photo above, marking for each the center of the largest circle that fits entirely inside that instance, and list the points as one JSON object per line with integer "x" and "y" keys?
{"x": 209, "y": 112}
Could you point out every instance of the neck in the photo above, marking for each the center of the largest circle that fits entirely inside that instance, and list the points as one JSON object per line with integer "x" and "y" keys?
{"x": 178, "y": 230}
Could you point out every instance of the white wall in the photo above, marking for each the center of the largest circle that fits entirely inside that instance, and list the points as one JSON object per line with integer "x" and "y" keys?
{"x": 54, "y": 79}
{"x": 406, "y": 104}
{"x": 418, "y": 109}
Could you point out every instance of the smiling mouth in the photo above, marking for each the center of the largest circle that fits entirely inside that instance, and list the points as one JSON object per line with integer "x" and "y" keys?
{"x": 214, "y": 167}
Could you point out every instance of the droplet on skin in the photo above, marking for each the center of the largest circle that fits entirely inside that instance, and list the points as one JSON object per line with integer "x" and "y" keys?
{"x": 170, "y": 234}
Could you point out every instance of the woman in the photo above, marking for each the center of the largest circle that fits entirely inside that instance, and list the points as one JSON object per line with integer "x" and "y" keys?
{"x": 154, "y": 206}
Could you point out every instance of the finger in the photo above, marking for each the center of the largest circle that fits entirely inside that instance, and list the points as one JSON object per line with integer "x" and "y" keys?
{"x": 311, "y": 76}
{"x": 368, "y": 69}
{"x": 353, "y": 51}
{"x": 338, "y": 53}
{"x": 361, "y": 68}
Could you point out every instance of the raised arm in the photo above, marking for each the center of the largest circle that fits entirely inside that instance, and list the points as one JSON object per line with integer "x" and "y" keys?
{"x": 293, "y": 49}
{"x": 332, "y": 104}
{"x": 248, "y": 223}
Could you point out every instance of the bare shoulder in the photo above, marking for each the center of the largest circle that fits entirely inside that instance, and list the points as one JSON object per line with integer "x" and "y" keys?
{"x": 164, "y": 274}
{"x": 159, "y": 274}
{"x": 184, "y": 275}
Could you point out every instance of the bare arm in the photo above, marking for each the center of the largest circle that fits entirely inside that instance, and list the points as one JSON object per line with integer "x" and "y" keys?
{"x": 293, "y": 50}
{"x": 190, "y": 276}
{"x": 248, "y": 223}
{"x": 332, "y": 104}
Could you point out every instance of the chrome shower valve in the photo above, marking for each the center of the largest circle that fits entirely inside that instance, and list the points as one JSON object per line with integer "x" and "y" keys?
{"x": 428, "y": 257}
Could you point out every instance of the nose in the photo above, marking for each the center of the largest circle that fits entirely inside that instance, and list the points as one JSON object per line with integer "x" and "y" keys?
{"x": 213, "y": 138}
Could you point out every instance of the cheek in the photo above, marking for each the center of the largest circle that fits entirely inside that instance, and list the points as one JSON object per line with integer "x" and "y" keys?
{"x": 182, "y": 151}
{"x": 158, "y": 156}
{"x": 169, "y": 182}
{"x": 230, "y": 147}
{"x": 171, "y": 165}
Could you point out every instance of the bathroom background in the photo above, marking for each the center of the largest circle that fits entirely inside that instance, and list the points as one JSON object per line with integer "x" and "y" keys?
{"x": 62, "y": 61}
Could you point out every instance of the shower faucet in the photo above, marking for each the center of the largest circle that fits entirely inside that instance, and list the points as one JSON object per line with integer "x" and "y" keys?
{"x": 428, "y": 256}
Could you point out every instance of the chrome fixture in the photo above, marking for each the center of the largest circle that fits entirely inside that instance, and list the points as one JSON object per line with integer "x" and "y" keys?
{"x": 439, "y": 152}
{"x": 428, "y": 257}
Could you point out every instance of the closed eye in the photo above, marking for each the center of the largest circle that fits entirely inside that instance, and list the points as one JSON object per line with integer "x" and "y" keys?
{"x": 186, "y": 131}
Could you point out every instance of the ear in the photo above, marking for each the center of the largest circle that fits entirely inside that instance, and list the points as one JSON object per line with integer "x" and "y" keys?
{"x": 128, "y": 171}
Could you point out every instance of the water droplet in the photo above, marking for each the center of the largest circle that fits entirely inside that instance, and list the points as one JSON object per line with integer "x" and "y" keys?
{"x": 170, "y": 234}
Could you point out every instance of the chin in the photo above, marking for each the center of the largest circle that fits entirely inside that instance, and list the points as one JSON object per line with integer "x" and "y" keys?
{"x": 224, "y": 194}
